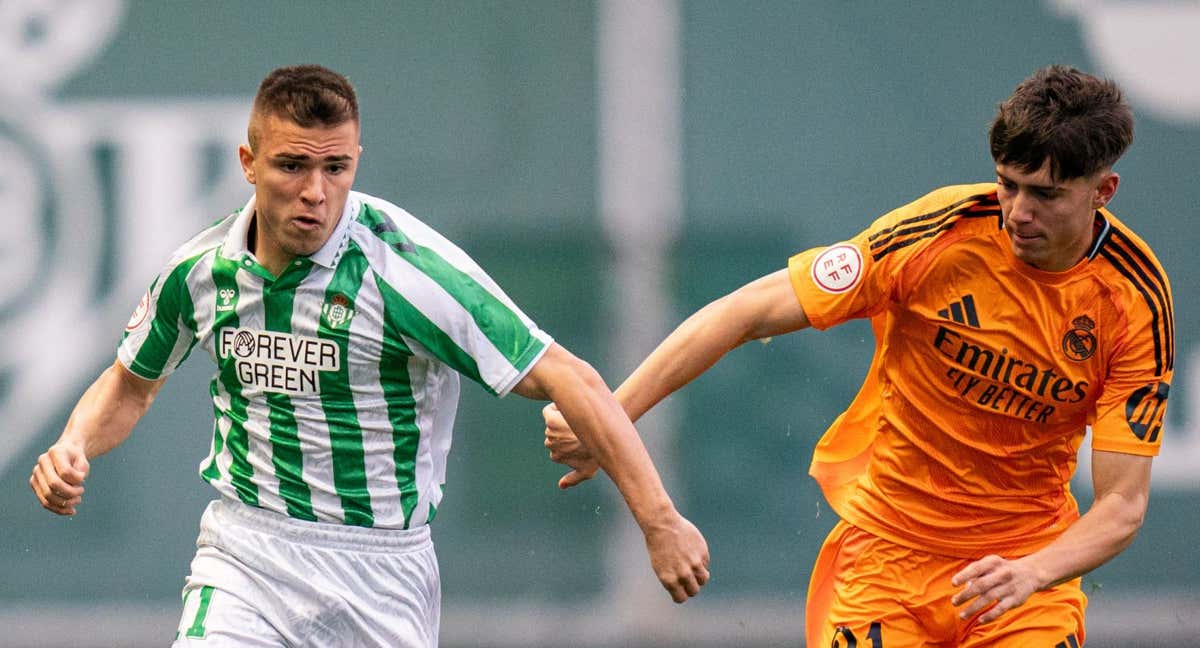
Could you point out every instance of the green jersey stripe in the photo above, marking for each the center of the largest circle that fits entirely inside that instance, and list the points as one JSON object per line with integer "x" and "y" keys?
{"x": 211, "y": 471}
{"x": 401, "y": 411}
{"x": 337, "y": 399}
{"x": 226, "y": 297}
{"x": 166, "y": 340}
{"x": 370, "y": 348}
{"x": 286, "y": 455}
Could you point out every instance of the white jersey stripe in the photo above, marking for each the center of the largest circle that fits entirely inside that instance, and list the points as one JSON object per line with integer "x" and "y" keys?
{"x": 312, "y": 428}
{"x": 427, "y": 383}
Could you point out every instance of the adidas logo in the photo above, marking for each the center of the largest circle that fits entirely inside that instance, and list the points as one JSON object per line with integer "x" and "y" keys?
{"x": 962, "y": 312}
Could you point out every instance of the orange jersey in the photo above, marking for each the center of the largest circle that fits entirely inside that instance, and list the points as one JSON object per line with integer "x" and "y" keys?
{"x": 964, "y": 436}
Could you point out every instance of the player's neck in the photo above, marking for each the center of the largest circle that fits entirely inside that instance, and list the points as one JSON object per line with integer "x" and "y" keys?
{"x": 271, "y": 257}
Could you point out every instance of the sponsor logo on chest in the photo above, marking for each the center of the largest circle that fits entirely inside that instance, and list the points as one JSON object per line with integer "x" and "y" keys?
{"x": 278, "y": 362}
{"x": 992, "y": 376}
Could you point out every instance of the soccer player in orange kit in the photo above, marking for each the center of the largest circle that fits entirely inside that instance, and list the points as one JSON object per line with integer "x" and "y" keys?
{"x": 1008, "y": 317}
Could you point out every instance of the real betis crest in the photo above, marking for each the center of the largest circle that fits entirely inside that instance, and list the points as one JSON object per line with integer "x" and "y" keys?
{"x": 337, "y": 311}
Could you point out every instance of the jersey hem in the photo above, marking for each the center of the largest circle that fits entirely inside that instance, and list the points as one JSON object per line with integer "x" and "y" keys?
{"x": 1007, "y": 550}
{"x": 1139, "y": 450}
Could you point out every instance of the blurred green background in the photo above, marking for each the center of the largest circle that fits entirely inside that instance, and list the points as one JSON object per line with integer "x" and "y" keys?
{"x": 800, "y": 122}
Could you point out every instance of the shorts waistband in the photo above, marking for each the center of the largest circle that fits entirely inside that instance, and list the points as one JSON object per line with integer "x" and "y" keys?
{"x": 320, "y": 534}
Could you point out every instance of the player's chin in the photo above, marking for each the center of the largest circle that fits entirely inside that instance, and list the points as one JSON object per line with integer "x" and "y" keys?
{"x": 306, "y": 244}
{"x": 1028, "y": 250}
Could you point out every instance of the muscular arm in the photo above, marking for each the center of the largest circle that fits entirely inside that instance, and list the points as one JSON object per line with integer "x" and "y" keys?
{"x": 101, "y": 420}
{"x": 584, "y": 400}
{"x": 678, "y": 552}
{"x": 762, "y": 308}
{"x": 1122, "y": 489}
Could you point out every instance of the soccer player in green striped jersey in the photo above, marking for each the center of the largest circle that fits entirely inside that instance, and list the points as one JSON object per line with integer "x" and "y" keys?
{"x": 339, "y": 325}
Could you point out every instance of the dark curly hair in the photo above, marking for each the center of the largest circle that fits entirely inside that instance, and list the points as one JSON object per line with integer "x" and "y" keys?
{"x": 1077, "y": 123}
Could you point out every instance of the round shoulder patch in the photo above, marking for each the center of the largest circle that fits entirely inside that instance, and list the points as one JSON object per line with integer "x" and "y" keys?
{"x": 838, "y": 268}
{"x": 139, "y": 314}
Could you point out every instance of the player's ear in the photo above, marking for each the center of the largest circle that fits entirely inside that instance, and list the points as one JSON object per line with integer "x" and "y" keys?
{"x": 1105, "y": 189}
{"x": 246, "y": 157}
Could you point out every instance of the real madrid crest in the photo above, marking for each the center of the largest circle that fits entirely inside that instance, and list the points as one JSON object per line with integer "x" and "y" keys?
{"x": 1079, "y": 343}
{"x": 337, "y": 311}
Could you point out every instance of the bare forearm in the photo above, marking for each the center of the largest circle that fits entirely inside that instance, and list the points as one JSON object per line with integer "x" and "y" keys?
{"x": 603, "y": 427}
{"x": 1094, "y": 539}
{"x": 764, "y": 307}
{"x": 678, "y": 552}
{"x": 697, "y": 344}
{"x": 1121, "y": 483}
{"x": 107, "y": 412}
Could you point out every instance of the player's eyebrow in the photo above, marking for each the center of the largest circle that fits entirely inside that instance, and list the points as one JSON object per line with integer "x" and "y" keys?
{"x": 1045, "y": 188}
{"x": 305, "y": 158}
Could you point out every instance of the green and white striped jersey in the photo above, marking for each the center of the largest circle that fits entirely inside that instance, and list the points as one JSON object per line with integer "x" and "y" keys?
{"x": 337, "y": 382}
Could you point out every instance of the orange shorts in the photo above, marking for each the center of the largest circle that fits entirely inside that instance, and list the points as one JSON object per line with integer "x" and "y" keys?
{"x": 867, "y": 592}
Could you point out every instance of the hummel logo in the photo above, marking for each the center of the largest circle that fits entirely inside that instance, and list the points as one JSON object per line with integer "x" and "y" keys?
{"x": 960, "y": 308}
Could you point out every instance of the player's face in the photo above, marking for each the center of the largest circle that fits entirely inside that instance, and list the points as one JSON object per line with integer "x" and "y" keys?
{"x": 301, "y": 179}
{"x": 1051, "y": 224}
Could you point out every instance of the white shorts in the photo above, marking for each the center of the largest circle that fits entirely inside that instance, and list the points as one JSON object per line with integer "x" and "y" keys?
{"x": 263, "y": 579}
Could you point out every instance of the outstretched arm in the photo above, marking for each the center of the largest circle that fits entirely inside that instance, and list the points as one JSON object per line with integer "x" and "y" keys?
{"x": 678, "y": 553}
{"x": 1122, "y": 489}
{"x": 762, "y": 308}
{"x": 101, "y": 420}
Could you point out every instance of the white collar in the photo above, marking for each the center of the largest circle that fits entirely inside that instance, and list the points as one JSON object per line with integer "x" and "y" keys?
{"x": 236, "y": 246}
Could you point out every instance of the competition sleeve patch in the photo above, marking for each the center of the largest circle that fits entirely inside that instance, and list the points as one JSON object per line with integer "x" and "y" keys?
{"x": 139, "y": 314}
{"x": 838, "y": 269}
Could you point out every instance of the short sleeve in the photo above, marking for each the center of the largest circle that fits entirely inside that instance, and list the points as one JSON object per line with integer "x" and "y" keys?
{"x": 162, "y": 329}
{"x": 1132, "y": 406}
{"x": 441, "y": 305}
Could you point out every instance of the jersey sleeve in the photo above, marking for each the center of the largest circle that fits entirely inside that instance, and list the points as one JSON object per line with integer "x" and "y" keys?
{"x": 162, "y": 330}
{"x": 446, "y": 308}
{"x": 1131, "y": 408}
{"x": 857, "y": 278}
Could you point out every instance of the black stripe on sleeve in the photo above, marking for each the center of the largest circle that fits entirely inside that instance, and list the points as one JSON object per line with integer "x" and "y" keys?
{"x": 887, "y": 232}
{"x": 1110, "y": 252}
{"x": 1159, "y": 285}
{"x": 946, "y": 222}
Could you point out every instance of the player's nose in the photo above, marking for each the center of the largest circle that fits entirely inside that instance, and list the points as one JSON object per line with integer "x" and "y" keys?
{"x": 1020, "y": 210}
{"x": 313, "y": 191}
